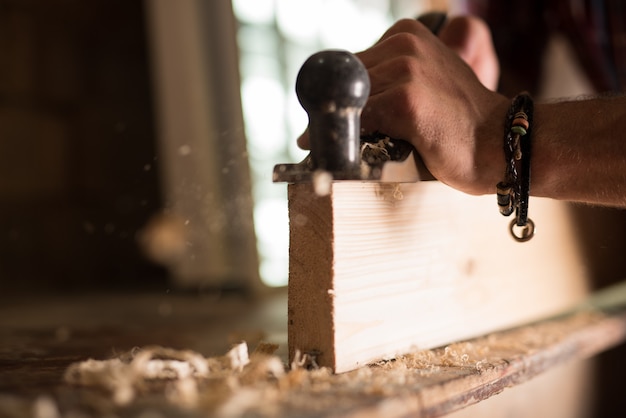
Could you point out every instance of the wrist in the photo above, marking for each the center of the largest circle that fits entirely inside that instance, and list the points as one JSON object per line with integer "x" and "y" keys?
{"x": 489, "y": 143}
{"x": 544, "y": 183}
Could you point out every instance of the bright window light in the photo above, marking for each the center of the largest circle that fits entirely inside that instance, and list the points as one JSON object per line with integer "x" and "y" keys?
{"x": 275, "y": 37}
{"x": 299, "y": 20}
{"x": 263, "y": 101}
{"x": 258, "y": 12}
{"x": 272, "y": 230}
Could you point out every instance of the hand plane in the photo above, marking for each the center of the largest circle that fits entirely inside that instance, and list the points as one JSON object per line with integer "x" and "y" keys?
{"x": 333, "y": 87}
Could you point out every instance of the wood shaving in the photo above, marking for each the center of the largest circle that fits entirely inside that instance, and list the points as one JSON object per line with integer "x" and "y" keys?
{"x": 185, "y": 378}
{"x": 375, "y": 153}
{"x": 264, "y": 348}
{"x": 262, "y": 385}
{"x": 132, "y": 372}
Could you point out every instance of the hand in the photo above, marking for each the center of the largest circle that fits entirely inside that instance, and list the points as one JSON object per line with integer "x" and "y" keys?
{"x": 424, "y": 93}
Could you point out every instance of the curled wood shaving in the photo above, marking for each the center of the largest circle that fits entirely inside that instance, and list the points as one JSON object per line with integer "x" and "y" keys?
{"x": 260, "y": 384}
{"x": 133, "y": 371}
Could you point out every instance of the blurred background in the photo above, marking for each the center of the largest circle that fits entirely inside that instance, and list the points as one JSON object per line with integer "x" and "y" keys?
{"x": 137, "y": 138}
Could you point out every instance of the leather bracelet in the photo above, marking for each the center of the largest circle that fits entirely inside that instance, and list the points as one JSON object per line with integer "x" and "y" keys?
{"x": 514, "y": 191}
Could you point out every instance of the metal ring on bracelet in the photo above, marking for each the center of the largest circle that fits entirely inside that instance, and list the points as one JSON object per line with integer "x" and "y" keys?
{"x": 522, "y": 233}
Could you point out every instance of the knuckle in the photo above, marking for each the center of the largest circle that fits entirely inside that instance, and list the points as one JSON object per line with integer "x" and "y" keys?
{"x": 404, "y": 101}
{"x": 406, "y": 66}
{"x": 407, "y": 25}
{"x": 405, "y": 43}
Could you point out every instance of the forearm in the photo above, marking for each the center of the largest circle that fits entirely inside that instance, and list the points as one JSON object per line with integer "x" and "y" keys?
{"x": 579, "y": 151}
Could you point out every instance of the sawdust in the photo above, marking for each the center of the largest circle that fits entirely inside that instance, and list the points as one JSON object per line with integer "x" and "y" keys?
{"x": 227, "y": 385}
{"x": 375, "y": 151}
{"x": 261, "y": 384}
{"x": 487, "y": 352}
{"x": 389, "y": 192}
{"x": 235, "y": 383}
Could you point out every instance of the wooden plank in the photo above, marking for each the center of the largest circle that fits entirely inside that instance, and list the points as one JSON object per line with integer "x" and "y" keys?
{"x": 378, "y": 270}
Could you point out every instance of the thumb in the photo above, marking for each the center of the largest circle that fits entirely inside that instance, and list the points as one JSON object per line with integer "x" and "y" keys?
{"x": 303, "y": 140}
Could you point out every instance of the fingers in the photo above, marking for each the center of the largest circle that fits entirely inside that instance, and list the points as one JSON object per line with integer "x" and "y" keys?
{"x": 397, "y": 58}
{"x": 389, "y": 63}
{"x": 417, "y": 79}
{"x": 391, "y": 72}
{"x": 392, "y": 112}
{"x": 403, "y": 38}
{"x": 411, "y": 26}
{"x": 470, "y": 38}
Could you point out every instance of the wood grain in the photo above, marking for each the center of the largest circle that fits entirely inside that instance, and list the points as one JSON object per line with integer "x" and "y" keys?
{"x": 378, "y": 270}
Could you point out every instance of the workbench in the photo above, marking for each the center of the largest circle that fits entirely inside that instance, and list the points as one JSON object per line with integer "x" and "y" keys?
{"x": 41, "y": 336}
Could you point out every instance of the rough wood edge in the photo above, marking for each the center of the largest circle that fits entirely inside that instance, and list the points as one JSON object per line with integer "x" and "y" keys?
{"x": 311, "y": 274}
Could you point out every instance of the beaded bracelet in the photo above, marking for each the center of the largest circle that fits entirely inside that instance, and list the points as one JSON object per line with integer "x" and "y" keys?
{"x": 513, "y": 192}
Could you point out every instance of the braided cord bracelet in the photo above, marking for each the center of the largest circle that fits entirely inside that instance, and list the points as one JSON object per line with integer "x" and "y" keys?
{"x": 514, "y": 191}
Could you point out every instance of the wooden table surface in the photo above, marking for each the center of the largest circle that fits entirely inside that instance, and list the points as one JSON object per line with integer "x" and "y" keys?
{"x": 42, "y": 335}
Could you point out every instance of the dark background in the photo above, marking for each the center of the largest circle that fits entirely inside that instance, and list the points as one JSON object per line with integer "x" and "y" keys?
{"x": 78, "y": 160}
